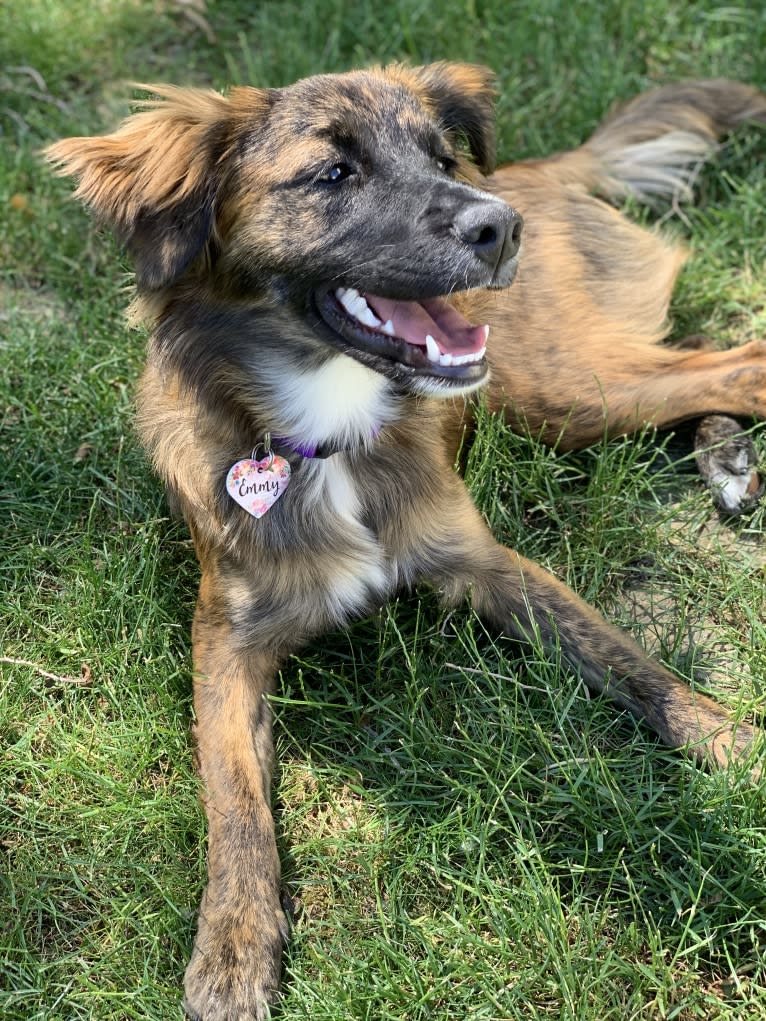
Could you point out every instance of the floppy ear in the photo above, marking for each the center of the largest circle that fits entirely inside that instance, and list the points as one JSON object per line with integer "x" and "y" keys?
{"x": 155, "y": 180}
{"x": 463, "y": 99}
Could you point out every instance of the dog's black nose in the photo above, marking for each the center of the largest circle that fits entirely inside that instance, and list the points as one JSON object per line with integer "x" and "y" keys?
{"x": 492, "y": 230}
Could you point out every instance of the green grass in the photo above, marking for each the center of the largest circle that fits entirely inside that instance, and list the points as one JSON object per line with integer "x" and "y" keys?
{"x": 467, "y": 834}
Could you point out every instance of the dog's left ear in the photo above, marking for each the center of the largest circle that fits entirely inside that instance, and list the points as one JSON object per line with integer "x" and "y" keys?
{"x": 156, "y": 180}
{"x": 463, "y": 99}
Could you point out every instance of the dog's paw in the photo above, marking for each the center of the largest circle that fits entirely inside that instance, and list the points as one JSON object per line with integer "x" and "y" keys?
{"x": 727, "y": 462}
{"x": 234, "y": 971}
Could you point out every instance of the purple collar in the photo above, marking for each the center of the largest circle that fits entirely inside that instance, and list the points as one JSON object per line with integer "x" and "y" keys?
{"x": 307, "y": 450}
{"x": 318, "y": 451}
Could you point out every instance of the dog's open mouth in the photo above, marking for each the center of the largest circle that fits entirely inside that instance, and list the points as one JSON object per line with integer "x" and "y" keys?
{"x": 428, "y": 337}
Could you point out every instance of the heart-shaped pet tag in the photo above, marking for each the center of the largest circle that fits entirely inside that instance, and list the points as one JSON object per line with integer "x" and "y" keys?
{"x": 257, "y": 485}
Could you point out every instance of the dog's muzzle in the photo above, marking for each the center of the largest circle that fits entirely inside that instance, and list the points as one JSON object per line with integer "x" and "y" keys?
{"x": 428, "y": 336}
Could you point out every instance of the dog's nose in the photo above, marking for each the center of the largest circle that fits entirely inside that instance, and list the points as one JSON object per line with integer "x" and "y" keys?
{"x": 491, "y": 230}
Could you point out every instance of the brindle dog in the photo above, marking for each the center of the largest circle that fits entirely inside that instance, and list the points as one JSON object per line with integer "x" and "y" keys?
{"x": 318, "y": 265}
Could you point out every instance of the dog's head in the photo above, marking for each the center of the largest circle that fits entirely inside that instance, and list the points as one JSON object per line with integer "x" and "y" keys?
{"x": 344, "y": 199}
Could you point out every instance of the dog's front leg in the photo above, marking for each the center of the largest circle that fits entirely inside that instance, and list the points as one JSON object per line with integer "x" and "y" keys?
{"x": 523, "y": 600}
{"x": 235, "y": 965}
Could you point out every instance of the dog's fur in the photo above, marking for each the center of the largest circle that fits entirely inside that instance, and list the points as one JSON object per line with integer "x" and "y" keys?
{"x": 243, "y": 214}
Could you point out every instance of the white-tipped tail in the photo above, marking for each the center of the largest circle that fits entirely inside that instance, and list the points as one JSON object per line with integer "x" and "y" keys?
{"x": 652, "y": 147}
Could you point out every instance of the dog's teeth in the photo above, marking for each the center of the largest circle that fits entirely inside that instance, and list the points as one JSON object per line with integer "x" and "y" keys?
{"x": 347, "y": 298}
{"x": 432, "y": 350}
{"x": 446, "y": 359}
{"x": 366, "y": 316}
{"x": 363, "y": 313}
{"x": 476, "y": 356}
{"x": 468, "y": 359}
{"x": 388, "y": 327}
{"x": 353, "y": 302}
{"x": 486, "y": 337}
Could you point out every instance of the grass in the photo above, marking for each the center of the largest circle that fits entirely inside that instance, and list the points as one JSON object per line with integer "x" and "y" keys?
{"x": 466, "y": 832}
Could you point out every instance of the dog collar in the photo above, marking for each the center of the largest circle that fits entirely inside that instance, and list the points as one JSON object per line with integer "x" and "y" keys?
{"x": 307, "y": 450}
{"x": 318, "y": 451}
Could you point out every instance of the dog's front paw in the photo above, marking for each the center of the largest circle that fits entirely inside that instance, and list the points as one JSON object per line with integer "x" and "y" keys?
{"x": 233, "y": 974}
{"x": 726, "y": 460}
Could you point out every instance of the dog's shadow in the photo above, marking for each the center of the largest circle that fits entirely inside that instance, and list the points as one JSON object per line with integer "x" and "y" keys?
{"x": 428, "y": 769}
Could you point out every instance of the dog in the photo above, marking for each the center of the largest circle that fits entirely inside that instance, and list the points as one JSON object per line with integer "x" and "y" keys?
{"x": 327, "y": 271}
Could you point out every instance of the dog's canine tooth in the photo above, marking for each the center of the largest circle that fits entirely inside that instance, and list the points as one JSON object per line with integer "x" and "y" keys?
{"x": 388, "y": 328}
{"x": 432, "y": 349}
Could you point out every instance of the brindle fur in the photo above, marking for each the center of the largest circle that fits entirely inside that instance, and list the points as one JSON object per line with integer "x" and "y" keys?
{"x": 217, "y": 200}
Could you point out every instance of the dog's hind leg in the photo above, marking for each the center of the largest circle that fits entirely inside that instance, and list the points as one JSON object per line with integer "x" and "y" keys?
{"x": 729, "y": 382}
{"x": 235, "y": 965}
{"x": 615, "y": 393}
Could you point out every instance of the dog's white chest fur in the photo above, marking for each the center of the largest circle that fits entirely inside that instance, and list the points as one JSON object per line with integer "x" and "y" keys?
{"x": 340, "y": 402}
{"x": 361, "y": 572}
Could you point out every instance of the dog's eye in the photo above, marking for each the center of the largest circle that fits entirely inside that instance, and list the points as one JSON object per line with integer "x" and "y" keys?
{"x": 445, "y": 164}
{"x": 338, "y": 172}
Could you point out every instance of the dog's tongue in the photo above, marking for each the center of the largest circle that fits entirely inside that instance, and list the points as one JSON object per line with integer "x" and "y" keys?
{"x": 414, "y": 321}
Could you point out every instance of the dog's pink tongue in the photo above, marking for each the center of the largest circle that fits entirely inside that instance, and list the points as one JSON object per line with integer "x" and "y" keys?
{"x": 413, "y": 321}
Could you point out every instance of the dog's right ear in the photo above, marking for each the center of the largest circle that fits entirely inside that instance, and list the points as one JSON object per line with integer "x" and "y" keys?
{"x": 156, "y": 179}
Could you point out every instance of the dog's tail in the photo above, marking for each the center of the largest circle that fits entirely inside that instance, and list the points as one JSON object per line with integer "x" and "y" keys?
{"x": 652, "y": 148}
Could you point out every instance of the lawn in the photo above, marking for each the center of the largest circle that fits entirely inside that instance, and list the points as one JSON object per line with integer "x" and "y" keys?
{"x": 464, "y": 832}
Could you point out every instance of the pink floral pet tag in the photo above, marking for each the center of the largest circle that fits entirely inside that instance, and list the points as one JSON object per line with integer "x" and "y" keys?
{"x": 257, "y": 485}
